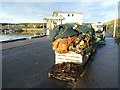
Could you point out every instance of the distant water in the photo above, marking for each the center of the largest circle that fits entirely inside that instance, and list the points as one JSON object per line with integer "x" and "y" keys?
{"x": 5, "y": 37}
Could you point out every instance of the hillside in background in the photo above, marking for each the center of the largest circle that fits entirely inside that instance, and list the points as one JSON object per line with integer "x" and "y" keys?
{"x": 110, "y": 28}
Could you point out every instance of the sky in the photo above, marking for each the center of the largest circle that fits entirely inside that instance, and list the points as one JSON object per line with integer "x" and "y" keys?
{"x": 33, "y": 12}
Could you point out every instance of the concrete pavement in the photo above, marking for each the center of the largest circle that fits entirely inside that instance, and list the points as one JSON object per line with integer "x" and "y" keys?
{"x": 27, "y": 66}
{"x": 20, "y": 43}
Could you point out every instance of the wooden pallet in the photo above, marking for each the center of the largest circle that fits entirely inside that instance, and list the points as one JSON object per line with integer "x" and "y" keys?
{"x": 71, "y": 57}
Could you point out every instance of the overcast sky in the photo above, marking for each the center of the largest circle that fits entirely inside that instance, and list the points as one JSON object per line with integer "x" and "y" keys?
{"x": 22, "y": 12}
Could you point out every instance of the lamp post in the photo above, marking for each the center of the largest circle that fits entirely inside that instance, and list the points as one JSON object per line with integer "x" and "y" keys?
{"x": 114, "y": 28}
{"x": 114, "y": 31}
{"x": 106, "y": 25}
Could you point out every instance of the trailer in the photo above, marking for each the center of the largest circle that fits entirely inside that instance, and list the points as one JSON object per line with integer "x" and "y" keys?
{"x": 72, "y": 62}
{"x": 69, "y": 65}
{"x": 100, "y": 29}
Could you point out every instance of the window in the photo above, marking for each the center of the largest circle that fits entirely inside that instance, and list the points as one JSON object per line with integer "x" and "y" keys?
{"x": 72, "y": 14}
{"x": 68, "y": 15}
{"x": 99, "y": 26}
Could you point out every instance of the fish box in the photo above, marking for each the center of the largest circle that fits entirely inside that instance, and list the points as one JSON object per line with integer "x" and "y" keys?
{"x": 71, "y": 57}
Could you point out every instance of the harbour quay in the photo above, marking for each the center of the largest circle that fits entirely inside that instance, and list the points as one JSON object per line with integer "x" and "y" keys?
{"x": 27, "y": 66}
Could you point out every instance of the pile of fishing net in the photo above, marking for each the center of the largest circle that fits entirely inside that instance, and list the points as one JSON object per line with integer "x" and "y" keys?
{"x": 100, "y": 40}
{"x": 73, "y": 37}
{"x": 66, "y": 71}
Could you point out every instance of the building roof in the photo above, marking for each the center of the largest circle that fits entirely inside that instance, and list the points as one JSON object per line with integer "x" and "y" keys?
{"x": 67, "y": 12}
{"x": 53, "y": 18}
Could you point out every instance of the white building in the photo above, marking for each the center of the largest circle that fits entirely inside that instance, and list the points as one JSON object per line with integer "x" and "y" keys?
{"x": 60, "y": 17}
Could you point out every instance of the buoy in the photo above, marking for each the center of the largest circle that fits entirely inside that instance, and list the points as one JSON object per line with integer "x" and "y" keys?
{"x": 82, "y": 43}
